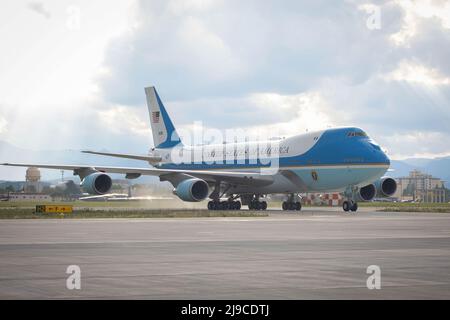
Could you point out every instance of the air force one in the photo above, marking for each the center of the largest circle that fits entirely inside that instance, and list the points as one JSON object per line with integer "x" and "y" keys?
{"x": 342, "y": 160}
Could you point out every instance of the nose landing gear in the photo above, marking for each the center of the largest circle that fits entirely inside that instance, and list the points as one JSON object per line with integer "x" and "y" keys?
{"x": 349, "y": 205}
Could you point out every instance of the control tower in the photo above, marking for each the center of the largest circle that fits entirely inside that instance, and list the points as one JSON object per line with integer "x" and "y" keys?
{"x": 32, "y": 181}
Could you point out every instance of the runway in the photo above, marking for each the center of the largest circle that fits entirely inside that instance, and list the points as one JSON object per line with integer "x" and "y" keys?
{"x": 310, "y": 255}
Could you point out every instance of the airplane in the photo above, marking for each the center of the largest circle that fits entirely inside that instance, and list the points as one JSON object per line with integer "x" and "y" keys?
{"x": 342, "y": 159}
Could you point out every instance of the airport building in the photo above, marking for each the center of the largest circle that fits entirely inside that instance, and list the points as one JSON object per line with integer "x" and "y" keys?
{"x": 22, "y": 196}
{"x": 421, "y": 187}
{"x": 32, "y": 188}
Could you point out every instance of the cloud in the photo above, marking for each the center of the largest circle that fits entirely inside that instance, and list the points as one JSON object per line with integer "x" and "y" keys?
{"x": 49, "y": 97}
{"x": 416, "y": 73}
{"x": 3, "y": 124}
{"x": 276, "y": 115}
{"x": 309, "y": 64}
{"x": 232, "y": 64}
{"x": 94, "y": 125}
{"x": 39, "y": 7}
{"x": 386, "y": 107}
{"x": 415, "y": 14}
{"x": 125, "y": 121}
{"x": 426, "y": 144}
{"x": 229, "y": 49}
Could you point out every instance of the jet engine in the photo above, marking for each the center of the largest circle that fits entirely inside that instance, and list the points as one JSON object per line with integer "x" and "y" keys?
{"x": 192, "y": 190}
{"x": 386, "y": 187}
{"x": 96, "y": 183}
{"x": 366, "y": 193}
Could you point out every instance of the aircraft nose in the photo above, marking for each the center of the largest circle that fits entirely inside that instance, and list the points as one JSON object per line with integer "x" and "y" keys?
{"x": 386, "y": 159}
{"x": 378, "y": 154}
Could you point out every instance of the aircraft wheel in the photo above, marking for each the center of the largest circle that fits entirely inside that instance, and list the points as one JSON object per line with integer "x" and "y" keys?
{"x": 210, "y": 205}
{"x": 298, "y": 206}
{"x": 354, "y": 207}
{"x": 346, "y": 205}
{"x": 238, "y": 205}
{"x": 257, "y": 205}
{"x": 264, "y": 205}
{"x": 284, "y": 205}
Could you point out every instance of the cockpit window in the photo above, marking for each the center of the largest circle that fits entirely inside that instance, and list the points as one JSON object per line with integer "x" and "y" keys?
{"x": 356, "y": 134}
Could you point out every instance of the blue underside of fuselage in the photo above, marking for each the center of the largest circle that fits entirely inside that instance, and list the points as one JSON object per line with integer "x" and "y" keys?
{"x": 337, "y": 179}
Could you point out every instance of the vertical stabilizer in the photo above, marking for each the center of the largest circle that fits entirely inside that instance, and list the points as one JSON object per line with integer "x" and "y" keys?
{"x": 164, "y": 133}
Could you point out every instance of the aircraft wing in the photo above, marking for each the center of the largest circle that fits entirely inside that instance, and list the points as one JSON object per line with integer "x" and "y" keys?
{"x": 245, "y": 178}
{"x": 126, "y": 156}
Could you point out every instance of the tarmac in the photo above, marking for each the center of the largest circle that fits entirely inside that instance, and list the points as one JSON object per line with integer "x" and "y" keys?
{"x": 315, "y": 254}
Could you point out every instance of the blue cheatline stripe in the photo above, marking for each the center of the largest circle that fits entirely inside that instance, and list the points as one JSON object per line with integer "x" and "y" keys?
{"x": 169, "y": 143}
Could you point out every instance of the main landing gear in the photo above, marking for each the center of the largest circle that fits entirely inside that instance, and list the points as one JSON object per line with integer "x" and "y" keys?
{"x": 231, "y": 204}
{"x": 224, "y": 205}
{"x": 253, "y": 202}
{"x": 292, "y": 203}
{"x": 291, "y": 206}
{"x": 257, "y": 205}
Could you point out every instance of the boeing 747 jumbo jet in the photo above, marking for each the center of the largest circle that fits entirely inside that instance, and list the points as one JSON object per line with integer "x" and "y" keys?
{"x": 242, "y": 173}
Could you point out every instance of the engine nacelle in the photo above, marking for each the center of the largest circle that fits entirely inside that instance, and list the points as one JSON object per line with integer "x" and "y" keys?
{"x": 386, "y": 187}
{"x": 192, "y": 190}
{"x": 96, "y": 183}
{"x": 366, "y": 193}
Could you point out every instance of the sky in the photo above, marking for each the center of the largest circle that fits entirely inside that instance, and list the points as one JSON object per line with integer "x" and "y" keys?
{"x": 72, "y": 73}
